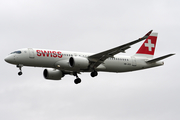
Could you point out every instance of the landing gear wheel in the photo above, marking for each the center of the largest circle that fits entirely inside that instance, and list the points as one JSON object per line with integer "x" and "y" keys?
{"x": 77, "y": 81}
{"x": 94, "y": 73}
{"x": 19, "y": 73}
{"x": 20, "y": 68}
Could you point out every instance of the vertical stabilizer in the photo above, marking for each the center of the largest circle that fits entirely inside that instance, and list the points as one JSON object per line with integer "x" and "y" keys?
{"x": 147, "y": 49}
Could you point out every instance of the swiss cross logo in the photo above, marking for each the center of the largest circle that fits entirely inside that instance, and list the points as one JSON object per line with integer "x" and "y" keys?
{"x": 149, "y": 45}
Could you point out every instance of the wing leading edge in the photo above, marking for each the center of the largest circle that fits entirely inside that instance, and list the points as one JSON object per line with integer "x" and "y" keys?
{"x": 97, "y": 59}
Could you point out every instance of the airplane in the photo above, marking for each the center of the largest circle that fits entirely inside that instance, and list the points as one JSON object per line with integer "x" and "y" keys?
{"x": 59, "y": 63}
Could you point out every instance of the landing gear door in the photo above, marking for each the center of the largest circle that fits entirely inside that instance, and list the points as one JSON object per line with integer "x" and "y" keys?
{"x": 31, "y": 53}
{"x": 133, "y": 61}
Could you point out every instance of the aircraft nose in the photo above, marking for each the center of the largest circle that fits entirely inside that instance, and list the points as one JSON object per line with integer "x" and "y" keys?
{"x": 10, "y": 59}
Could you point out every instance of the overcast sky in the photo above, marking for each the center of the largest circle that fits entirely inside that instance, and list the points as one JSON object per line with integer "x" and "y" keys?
{"x": 90, "y": 26}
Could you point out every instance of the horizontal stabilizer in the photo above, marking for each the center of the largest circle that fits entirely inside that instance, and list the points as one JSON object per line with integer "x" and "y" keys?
{"x": 159, "y": 58}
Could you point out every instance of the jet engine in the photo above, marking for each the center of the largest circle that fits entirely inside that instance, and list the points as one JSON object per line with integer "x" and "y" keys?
{"x": 79, "y": 62}
{"x": 53, "y": 74}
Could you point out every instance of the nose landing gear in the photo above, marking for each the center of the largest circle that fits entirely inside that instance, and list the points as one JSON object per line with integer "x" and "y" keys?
{"x": 20, "y": 68}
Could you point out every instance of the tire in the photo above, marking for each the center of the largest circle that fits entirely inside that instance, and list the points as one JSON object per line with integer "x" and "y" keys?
{"x": 77, "y": 81}
{"x": 19, "y": 73}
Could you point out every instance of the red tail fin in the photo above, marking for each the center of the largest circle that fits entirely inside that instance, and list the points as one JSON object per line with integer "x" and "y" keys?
{"x": 147, "y": 49}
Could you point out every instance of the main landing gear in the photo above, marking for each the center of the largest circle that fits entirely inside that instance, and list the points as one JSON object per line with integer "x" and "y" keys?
{"x": 20, "y": 68}
{"x": 77, "y": 80}
{"x": 94, "y": 74}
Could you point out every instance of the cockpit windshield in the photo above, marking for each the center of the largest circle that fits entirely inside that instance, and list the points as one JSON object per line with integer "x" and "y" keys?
{"x": 18, "y": 52}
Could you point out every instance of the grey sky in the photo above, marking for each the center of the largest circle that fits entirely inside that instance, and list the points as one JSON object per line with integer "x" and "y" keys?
{"x": 89, "y": 26}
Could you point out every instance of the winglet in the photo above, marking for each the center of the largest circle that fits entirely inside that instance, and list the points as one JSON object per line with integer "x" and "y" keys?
{"x": 147, "y": 35}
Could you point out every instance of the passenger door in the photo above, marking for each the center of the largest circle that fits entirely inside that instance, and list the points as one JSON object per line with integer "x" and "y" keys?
{"x": 31, "y": 53}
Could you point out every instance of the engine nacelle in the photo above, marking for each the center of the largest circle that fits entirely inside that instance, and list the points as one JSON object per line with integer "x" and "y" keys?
{"x": 63, "y": 64}
{"x": 53, "y": 74}
{"x": 79, "y": 62}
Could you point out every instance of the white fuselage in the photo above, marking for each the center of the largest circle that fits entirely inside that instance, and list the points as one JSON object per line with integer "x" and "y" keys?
{"x": 60, "y": 60}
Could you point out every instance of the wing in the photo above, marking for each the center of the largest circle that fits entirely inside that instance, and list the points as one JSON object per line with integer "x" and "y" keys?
{"x": 97, "y": 59}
